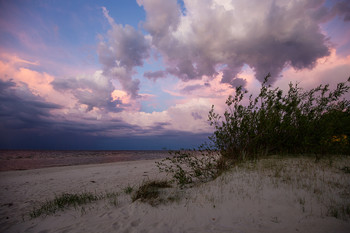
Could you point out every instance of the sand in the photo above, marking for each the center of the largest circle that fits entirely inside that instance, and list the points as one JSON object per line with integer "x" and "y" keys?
{"x": 272, "y": 195}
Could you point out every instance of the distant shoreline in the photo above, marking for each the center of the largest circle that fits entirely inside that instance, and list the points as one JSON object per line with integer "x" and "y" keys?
{"x": 14, "y": 160}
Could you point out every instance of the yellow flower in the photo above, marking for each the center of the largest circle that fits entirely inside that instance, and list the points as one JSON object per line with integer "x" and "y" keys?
{"x": 343, "y": 139}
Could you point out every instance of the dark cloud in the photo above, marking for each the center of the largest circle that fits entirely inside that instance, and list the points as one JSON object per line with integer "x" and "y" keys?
{"x": 157, "y": 128}
{"x": 22, "y": 110}
{"x": 155, "y": 75}
{"x": 123, "y": 49}
{"x": 238, "y": 82}
{"x": 191, "y": 88}
{"x": 19, "y": 108}
{"x": 267, "y": 35}
{"x": 196, "y": 116}
{"x": 342, "y": 9}
{"x": 5, "y": 86}
{"x": 27, "y": 122}
{"x": 65, "y": 84}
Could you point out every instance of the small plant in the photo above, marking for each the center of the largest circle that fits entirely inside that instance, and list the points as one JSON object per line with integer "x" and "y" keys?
{"x": 275, "y": 220}
{"x": 190, "y": 166}
{"x": 302, "y": 204}
{"x": 63, "y": 201}
{"x": 333, "y": 211}
{"x": 346, "y": 169}
{"x": 174, "y": 198}
{"x": 149, "y": 192}
{"x": 112, "y": 197}
{"x": 128, "y": 189}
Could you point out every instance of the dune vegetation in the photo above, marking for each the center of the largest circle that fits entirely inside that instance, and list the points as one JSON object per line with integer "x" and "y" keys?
{"x": 298, "y": 122}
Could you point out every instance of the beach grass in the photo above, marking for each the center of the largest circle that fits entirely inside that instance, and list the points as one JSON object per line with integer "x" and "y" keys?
{"x": 62, "y": 202}
{"x": 128, "y": 189}
{"x": 149, "y": 191}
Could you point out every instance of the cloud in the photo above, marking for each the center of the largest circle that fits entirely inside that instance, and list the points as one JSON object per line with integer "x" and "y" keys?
{"x": 123, "y": 49}
{"x": 191, "y": 88}
{"x": 28, "y": 121}
{"x": 89, "y": 104}
{"x": 196, "y": 116}
{"x": 22, "y": 71}
{"x": 213, "y": 36}
{"x": 23, "y": 112}
{"x": 342, "y": 9}
{"x": 20, "y": 108}
{"x": 203, "y": 89}
{"x": 332, "y": 70}
{"x": 155, "y": 75}
{"x": 14, "y": 59}
{"x": 91, "y": 90}
{"x": 188, "y": 116}
{"x": 162, "y": 16}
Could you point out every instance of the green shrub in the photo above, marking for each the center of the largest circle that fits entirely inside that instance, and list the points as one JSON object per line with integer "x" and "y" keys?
{"x": 272, "y": 122}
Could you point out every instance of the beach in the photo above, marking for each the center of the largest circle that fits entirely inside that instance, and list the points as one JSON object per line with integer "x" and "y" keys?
{"x": 270, "y": 195}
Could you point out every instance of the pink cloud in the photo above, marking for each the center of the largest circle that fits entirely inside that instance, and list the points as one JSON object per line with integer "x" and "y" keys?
{"x": 21, "y": 71}
{"x": 330, "y": 70}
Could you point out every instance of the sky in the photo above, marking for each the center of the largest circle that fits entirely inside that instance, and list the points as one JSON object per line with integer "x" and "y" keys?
{"x": 143, "y": 75}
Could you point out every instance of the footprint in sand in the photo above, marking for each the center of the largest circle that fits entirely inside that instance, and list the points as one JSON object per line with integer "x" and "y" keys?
{"x": 135, "y": 223}
{"x": 116, "y": 226}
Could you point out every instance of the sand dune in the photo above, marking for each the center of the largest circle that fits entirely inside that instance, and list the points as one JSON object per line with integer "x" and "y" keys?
{"x": 271, "y": 195}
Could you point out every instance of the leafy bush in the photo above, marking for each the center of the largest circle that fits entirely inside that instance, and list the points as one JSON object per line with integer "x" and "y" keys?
{"x": 297, "y": 122}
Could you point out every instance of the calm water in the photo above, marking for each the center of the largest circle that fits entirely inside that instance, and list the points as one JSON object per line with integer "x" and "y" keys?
{"x": 32, "y": 159}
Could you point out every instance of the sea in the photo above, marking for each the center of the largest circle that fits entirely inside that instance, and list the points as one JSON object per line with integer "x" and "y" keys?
{"x": 33, "y": 159}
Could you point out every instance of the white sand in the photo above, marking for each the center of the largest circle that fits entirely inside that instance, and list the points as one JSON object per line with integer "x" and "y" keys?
{"x": 290, "y": 195}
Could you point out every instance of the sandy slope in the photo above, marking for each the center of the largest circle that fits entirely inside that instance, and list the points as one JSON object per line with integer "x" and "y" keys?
{"x": 272, "y": 195}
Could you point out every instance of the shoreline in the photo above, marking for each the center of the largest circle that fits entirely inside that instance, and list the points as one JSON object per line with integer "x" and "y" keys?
{"x": 249, "y": 198}
{"x": 18, "y": 160}
{"x": 77, "y": 165}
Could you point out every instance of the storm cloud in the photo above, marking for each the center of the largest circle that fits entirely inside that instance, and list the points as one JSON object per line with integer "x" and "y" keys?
{"x": 27, "y": 121}
{"x": 21, "y": 109}
{"x": 213, "y": 36}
